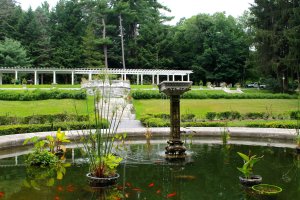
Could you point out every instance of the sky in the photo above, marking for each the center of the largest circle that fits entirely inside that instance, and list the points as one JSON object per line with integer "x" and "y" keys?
{"x": 180, "y": 8}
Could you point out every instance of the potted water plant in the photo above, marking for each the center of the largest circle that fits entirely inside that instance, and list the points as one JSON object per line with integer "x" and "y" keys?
{"x": 99, "y": 144}
{"x": 266, "y": 189}
{"x": 249, "y": 179}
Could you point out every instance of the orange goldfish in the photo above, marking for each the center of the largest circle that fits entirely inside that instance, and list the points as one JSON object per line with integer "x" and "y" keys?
{"x": 171, "y": 195}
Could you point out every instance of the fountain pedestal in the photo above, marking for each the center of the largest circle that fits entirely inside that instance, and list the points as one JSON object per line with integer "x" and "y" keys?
{"x": 174, "y": 89}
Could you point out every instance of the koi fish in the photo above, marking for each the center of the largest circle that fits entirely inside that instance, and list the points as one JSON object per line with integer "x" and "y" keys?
{"x": 171, "y": 195}
{"x": 137, "y": 189}
{"x": 158, "y": 192}
{"x": 128, "y": 184}
{"x": 2, "y": 194}
{"x": 151, "y": 185}
{"x": 70, "y": 188}
{"x": 120, "y": 187}
{"x": 185, "y": 177}
{"x": 56, "y": 198}
{"x": 60, "y": 188}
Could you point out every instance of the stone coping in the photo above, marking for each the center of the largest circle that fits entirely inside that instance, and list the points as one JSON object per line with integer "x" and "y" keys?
{"x": 9, "y": 141}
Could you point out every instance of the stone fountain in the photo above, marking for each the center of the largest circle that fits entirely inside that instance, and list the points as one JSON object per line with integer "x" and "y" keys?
{"x": 174, "y": 89}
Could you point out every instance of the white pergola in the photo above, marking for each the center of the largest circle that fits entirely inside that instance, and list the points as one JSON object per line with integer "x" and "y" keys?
{"x": 140, "y": 73}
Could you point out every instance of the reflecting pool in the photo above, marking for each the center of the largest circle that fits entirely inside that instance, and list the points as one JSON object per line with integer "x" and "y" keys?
{"x": 210, "y": 173}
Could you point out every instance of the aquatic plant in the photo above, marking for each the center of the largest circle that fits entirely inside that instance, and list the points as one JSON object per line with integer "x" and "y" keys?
{"x": 225, "y": 134}
{"x": 249, "y": 161}
{"x": 100, "y": 145}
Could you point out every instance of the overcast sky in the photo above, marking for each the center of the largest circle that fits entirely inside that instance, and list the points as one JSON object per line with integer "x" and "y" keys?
{"x": 180, "y": 8}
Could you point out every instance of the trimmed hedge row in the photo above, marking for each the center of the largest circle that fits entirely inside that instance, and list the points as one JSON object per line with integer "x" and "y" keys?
{"x": 154, "y": 94}
{"x": 290, "y": 125}
{"x": 32, "y": 95}
{"x": 42, "y": 119}
{"x": 157, "y": 122}
{"x": 26, "y": 128}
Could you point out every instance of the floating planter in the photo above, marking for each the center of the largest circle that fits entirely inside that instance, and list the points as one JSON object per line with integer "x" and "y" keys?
{"x": 102, "y": 182}
{"x": 252, "y": 180}
{"x": 266, "y": 189}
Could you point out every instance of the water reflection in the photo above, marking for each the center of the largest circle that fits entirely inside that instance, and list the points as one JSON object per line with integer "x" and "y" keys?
{"x": 146, "y": 175}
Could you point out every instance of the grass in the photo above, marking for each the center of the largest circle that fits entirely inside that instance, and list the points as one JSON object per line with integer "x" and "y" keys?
{"x": 52, "y": 106}
{"x": 201, "y": 107}
{"x": 41, "y": 86}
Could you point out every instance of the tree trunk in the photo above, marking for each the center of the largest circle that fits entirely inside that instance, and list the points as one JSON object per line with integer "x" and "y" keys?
{"x": 104, "y": 46}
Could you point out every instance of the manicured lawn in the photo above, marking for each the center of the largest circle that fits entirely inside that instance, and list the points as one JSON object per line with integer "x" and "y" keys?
{"x": 26, "y": 108}
{"x": 201, "y": 107}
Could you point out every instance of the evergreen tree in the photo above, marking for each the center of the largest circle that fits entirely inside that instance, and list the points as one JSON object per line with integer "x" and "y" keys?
{"x": 12, "y": 54}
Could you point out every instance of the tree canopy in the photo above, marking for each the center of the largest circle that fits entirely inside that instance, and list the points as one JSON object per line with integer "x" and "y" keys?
{"x": 86, "y": 33}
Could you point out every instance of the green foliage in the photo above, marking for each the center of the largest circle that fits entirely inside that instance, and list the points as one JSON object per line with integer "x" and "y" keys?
{"x": 295, "y": 115}
{"x": 248, "y": 165}
{"x": 276, "y": 25}
{"x": 42, "y": 158}
{"x": 37, "y": 94}
{"x": 99, "y": 145}
{"x": 276, "y": 124}
{"x": 12, "y": 54}
{"x": 231, "y": 115}
{"x": 111, "y": 162}
{"x": 211, "y": 115}
{"x": 154, "y": 94}
{"x": 33, "y": 128}
{"x": 225, "y": 135}
{"x": 187, "y": 117}
{"x": 42, "y": 119}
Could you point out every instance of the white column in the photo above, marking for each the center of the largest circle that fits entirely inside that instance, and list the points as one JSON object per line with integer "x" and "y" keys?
{"x": 138, "y": 79}
{"x": 54, "y": 77}
{"x": 90, "y": 76}
{"x": 35, "y": 78}
{"x": 168, "y": 79}
{"x": 125, "y": 78}
{"x": 157, "y": 79}
{"x": 173, "y": 77}
{"x": 73, "y": 156}
{"x": 152, "y": 79}
{"x": 16, "y": 160}
{"x": 142, "y": 79}
{"x": 16, "y": 75}
{"x": 181, "y": 77}
{"x": 188, "y": 77}
{"x": 1, "y": 78}
{"x": 72, "y": 78}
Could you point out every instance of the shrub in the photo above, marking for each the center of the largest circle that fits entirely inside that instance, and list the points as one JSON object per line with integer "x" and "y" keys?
{"x": 211, "y": 115}
{"x": 295, "y": 115}
{"x": 156, "y": 122}
{"x": 282, "y": 124}
{"x": 42, "y": 119}
{"x": 187, "y": 117}
{"x": 255, "y": 115}
{"x": 37, "y": 94}
{"x": 154, "y": 94}
{"x": 229, "y": 115}
{"x": 32, "y": 128}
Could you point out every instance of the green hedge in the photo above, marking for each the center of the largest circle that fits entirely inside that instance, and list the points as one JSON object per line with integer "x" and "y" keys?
{"x": 157, "y": 122}
{"x": 32, "y": 128}
{"x": 42, "y": 119}
{"x": 154, "y": 94}
{"x": 283, "y": 124}
{"x": 32, "y": 95}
